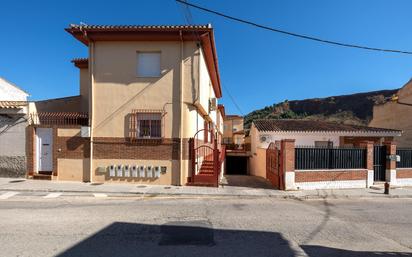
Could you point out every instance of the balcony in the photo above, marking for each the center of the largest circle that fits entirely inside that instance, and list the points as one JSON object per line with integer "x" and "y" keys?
{"x": 59, "y": 118}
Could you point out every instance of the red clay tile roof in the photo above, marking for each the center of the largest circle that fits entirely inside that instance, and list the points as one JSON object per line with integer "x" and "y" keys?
{"x": 12, "y": 104}
{"x": 81, "y": 62}
{"x": 312, "y": 125}
{"x": 134, "y": 27}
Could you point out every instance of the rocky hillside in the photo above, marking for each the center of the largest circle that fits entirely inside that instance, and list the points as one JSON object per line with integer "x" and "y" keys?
{"x": 349, "y": 109}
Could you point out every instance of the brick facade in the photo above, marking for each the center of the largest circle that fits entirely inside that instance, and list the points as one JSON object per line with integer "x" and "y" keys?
{"x": 329, "y": 175}
{"x": 404, "y": 173}
{"x": 144, "y": 149}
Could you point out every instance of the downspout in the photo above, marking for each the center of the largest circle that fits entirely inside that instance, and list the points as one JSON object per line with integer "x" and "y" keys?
{"x": 91, "y": 105}
{"x": 181, "y": 107}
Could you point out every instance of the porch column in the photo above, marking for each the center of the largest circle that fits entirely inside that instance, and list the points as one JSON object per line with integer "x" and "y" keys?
{"x": 390, "y": 173}
{"x": 369, "y": 161}
{"x": 288, "y": 163}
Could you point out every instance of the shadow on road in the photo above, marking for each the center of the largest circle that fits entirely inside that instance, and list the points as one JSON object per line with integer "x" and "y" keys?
{"x": 198, "y": 238}
{"x": 194, "y": 238}
{"x": 321, "y": 251}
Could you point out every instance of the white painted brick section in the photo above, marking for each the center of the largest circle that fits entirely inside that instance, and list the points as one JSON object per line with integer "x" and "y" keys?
{"x": 341, "y": 184}
{"x": 370, "y": 178}
{"x": 390, "y": 176}
{"x": 404, "y": 182}
{"x": 290, "y": 180}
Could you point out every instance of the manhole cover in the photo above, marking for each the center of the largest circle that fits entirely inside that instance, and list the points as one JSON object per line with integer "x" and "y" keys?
{"x": 167, "y": 187}
{"x": 96, "y": 184}
{"x": 198, "y": 232}
{"x": 141, "y": 186}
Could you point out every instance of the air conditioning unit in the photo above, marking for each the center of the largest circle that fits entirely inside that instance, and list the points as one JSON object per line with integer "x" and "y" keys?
{"x": 119, "y": 170}
{"x": 157, "y": 171}
{"x": 126, "y": 169}
{"x": 112, "y": 171}
{"x": 142, "y": 173}
{"x": 134, "y": 170}
{"x": 149, "y": 171}
{"x": 264, "y": 138}
{"x": 213, "y": 104}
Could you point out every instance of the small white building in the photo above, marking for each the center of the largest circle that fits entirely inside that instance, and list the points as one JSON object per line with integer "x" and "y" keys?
{"x": 13, "y": 122}
{"x": 309, "y": 133}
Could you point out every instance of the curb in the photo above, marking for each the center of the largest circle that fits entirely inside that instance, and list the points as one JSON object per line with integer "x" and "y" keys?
{"x": 286, "y": 196}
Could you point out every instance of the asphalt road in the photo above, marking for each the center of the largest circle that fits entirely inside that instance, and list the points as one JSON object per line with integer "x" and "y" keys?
{"x": 103, "y": 226}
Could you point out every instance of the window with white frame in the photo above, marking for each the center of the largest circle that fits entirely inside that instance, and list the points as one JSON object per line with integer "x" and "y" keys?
{"x": 148, "y": 64}
{"x": 149, "y": 125}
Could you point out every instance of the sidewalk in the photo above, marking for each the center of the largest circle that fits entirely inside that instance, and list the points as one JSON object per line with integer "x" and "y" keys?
{"x": 13, "y": 184}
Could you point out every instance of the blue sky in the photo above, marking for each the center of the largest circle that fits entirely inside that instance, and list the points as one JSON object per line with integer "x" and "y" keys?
{"x": 258, "y": 67}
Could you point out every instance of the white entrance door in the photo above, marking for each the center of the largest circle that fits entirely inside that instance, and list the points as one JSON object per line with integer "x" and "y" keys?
{"x": 44, "y": 149}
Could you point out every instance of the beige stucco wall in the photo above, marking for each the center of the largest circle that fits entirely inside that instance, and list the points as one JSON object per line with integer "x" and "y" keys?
{"x": 258, "y": 163}
{"x": 73, "y": 169}
{"x": 117, "y": 90}
{"x": 396, "y": 116}
{"x": 84, "y": 88}
{"x": 68, "y": 132}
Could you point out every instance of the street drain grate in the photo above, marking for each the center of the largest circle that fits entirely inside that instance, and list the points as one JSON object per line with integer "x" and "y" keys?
{"x": 167, "y": 187}
{"x": 198, "y": 232}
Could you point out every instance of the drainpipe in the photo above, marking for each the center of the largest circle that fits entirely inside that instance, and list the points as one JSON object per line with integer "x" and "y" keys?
{"x": 181, "y": 106}
{"x": 91, "y": 105}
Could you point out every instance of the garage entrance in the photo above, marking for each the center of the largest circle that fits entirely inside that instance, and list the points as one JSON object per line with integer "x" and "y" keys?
{"x": 236, "y": 165}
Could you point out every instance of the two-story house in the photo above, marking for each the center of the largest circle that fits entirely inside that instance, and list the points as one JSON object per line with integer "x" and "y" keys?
{"x": 233, "y": 133}
{"x": 144, "y": 91}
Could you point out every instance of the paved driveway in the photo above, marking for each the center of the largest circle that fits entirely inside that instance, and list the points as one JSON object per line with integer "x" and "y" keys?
{"x": 246, "y": 182}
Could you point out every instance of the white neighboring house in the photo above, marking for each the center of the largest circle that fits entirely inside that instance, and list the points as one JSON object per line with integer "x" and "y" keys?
{"x": 309, "y": 133}
{"x": 13, "y": 122}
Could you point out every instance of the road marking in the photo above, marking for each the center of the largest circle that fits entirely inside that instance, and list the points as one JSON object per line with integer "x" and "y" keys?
{"x": 52, "y": 195}
{"x": 99, "y": 195}
{"x": 8, "y": 195}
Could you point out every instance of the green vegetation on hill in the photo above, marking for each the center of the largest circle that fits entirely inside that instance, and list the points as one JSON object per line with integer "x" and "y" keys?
{"x": 349, "y": 109}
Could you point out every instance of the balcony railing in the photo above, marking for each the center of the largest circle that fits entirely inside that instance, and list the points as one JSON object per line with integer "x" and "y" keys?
{"x": 59, "y": 118}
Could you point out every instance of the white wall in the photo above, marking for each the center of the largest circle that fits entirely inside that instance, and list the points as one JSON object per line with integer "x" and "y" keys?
{"x": 9, "y": 92}
{"x": 306, "y": 139}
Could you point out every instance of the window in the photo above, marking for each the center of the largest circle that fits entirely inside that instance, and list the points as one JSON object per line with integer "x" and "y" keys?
{"x": 149, "y": 125}
{"x": 148, "y": 64}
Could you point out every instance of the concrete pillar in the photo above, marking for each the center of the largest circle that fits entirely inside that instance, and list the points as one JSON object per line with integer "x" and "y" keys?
{"x": 288, "y": 163}
{"x": 390, "y": 173}
{"x": 369, "y": 161}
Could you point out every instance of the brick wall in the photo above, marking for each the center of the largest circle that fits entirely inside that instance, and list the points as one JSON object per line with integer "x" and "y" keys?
{"x": 404, "y": 173}
{"x": 329, "y": 175}
{"x": 144, "y": 149}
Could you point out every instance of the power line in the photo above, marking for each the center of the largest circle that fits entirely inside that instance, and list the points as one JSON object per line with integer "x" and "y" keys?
{"x": 187, "y": 14}
{"x": 233, "y": 101}
{"x": 292, "y": 33}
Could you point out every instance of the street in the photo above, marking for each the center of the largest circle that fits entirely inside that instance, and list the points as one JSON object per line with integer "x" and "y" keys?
{"x": 82, "y": 225}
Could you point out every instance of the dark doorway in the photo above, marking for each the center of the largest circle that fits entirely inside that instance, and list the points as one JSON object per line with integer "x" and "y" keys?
{"x": 236, "y": 165}
{"x": 379, "y": 162}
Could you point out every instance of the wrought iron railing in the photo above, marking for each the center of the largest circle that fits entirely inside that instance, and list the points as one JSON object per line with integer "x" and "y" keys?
{"x": 319, "y": 158}
{"x": 59, "y": 118}
{"x": 406, "y": 157}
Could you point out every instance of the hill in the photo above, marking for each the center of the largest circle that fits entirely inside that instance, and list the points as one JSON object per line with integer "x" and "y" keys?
{"x": 348, "y": 109}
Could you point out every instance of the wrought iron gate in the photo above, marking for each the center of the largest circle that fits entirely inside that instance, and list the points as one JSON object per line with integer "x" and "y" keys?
{"x": 273, "y": 164}
{"x": 379, "y": 162}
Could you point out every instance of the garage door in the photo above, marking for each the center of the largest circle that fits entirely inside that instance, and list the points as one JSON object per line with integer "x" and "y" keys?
{"x": 236, "y": 165}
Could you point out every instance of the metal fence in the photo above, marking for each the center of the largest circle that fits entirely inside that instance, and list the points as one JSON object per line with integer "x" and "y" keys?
{"x": 319, "y": 158}
{"x": 406, "y": 157}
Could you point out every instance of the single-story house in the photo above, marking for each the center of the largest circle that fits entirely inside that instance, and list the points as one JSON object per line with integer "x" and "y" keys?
{"x": 13, "y": 122}
{"x": 308, "y": 154}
